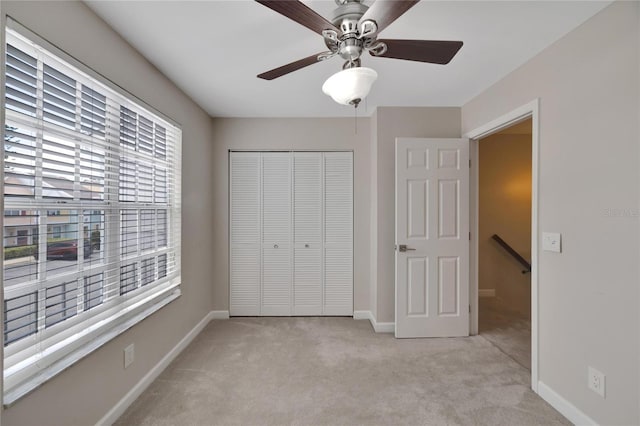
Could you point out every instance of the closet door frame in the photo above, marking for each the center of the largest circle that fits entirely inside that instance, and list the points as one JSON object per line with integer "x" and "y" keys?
{"x": 292, "y": 232}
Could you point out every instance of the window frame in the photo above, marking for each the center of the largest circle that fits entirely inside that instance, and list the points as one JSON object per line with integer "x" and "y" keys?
{"x": 71, "y": 339}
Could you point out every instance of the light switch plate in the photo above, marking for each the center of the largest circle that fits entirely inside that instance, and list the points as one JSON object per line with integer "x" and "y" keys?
{"x": 551, "y": 241}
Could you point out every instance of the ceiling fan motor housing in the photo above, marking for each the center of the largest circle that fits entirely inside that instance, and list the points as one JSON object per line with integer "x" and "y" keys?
{"x": 346, "y": 17}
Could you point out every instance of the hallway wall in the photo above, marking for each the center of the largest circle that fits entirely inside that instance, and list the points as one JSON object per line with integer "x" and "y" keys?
{"x": 505, "y": 209}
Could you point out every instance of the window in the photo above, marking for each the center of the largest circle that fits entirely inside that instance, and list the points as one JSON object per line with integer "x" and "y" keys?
{"x": 97, "y": 175}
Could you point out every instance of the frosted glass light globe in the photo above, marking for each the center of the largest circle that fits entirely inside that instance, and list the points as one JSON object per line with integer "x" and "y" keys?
{"x": 350, "y": 86}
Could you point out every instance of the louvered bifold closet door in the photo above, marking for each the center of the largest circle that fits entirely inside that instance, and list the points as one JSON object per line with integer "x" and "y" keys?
{"x": 307, "y": 225}
{"x": 245, "y": 234}
{"x": 276, "y": 234}
{"x": 338, "y": 233}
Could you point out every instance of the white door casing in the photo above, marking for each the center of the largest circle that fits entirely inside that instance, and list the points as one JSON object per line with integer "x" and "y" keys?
{"x": 432, "y": 221}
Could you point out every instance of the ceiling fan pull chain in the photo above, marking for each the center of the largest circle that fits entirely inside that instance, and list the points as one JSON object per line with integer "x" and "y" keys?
{"x": 355, "y": 118}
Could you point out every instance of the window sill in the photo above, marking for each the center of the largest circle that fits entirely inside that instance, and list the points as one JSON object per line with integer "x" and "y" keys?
{"x": 47, "y": 373}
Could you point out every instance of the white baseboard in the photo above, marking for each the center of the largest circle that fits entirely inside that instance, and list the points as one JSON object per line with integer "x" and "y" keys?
{"x": 362, "y": 315}
{"x": 486, "y": 292}
{"x": 219, "y": 314}
{"x": 378, "y": 327}
{"x": 384, "y": 327}
{"x": 122, "y": 405}
{"x": 567, "y": 409}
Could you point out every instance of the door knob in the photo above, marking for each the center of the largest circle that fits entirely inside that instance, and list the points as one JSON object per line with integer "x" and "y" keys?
{"x": 275, "y": 246}
{"x": 306, "y": 246}
{"x": 403, "y": 248}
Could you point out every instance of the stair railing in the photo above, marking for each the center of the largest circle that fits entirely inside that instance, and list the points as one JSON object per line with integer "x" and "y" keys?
{"x": 513, "y": 253}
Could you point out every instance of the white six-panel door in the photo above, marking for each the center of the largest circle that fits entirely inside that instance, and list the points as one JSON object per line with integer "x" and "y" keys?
{"x": 291, "y": 236}
{"x": 432, "y": 210}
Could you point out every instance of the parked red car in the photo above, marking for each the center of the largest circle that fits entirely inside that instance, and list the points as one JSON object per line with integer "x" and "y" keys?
{"x": 67, "y": 250}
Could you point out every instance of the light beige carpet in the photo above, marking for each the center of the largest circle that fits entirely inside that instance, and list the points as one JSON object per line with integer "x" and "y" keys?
{"x": 337, "y": 371}
{"x": 508, "y": 330}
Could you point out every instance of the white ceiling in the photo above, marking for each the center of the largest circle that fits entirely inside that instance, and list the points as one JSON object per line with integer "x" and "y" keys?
{"x": 213, "y": 51}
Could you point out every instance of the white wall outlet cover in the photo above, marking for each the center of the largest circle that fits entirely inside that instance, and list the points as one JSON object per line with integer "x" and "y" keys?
{"x": 596, "y": 381}
{"x": 129, "y": 355}
{"x": 551, "y": 241}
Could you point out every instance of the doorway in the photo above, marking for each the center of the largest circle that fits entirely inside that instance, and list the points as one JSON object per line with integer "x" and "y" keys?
{"x": 522, "y": 113}
{"x": 504, "y": 240}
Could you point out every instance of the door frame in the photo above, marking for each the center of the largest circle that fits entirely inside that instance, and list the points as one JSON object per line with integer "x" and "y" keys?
{"x": 529, "y": 110}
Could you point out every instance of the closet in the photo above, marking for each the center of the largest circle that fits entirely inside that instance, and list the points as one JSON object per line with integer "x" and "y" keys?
{"x": 291, "y": 233}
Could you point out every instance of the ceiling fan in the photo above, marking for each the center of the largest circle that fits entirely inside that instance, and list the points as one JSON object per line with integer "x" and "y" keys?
{"x": 354, "y": 29}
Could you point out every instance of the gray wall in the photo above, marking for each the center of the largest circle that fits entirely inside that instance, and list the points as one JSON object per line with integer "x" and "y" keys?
{"x": 85, "y": 392}
{"x": 291, "y": 134}
{"x": 588, "y": 87}
{"x": 391, "y": 123}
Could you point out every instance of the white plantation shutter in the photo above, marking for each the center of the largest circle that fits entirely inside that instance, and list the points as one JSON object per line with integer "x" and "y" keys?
{"x": 21, "y": 78}
{"x": 92, "y": 199}
{"x": 291, "y": 239}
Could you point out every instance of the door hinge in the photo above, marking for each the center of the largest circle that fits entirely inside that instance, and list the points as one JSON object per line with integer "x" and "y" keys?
{"x": 469, "y": 163}
{"x": 469, "y": 236}
{"x": 469, "y": 308}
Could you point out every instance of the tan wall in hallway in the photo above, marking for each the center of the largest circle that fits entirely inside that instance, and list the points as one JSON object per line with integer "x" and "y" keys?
{"x": 505, "y": 209}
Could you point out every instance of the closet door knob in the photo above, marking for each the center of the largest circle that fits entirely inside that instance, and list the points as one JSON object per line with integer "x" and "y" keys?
{"x": 275, "y": 246}
{"x": 306, "y": 246}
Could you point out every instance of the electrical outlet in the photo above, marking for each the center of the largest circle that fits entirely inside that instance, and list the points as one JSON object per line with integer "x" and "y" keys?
{"x": 596, "y": 381}
{"x": 129, "y": 355}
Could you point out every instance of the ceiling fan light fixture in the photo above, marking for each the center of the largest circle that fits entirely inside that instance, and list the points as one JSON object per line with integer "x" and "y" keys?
{"x": 350, "y": 86}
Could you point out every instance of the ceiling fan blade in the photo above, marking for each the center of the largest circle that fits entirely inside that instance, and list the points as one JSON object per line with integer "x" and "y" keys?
{"x": 286, "y": 69}
{"x": 300, "y": 13}
{"x": 432, "y": 51}
{"x": 384, "y": 12}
